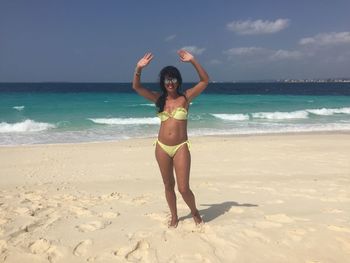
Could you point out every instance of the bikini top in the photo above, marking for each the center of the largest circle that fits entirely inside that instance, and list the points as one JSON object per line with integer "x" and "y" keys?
{"x": 179, "y": 113}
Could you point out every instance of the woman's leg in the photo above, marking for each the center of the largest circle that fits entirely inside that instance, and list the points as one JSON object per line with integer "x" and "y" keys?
{"x": 166, "y": 169}
{"x": 182, "y": 164}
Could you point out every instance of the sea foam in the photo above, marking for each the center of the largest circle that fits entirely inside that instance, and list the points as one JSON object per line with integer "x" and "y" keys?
{"x": 328, "y": 112}
{"x": 125, "y": 121}
{"x": 25, "y": 126}
{"x": 19, "y": 108}
{"x": 232, "y": 117}
{"x": 147, "y": 104}
{"x": 330, "y": 127}
{"x": 302, "y": 114}
{"x": 277, "y": 115}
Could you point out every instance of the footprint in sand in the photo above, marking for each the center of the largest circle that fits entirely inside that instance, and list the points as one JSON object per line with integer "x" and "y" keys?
{"x": 82, "y": 248}
{"x": 109, "y": 215}
{"x": 3, "y": 246}
{"x": 43, "y": 246}
{"x": 80, "y": 211}
{"x": 40, "y": 246}
{"x": 125, "y": 251}
{"x": 92, "y": 226}
{"x": 140, "y": 252}
{"x": 22, "y": 210}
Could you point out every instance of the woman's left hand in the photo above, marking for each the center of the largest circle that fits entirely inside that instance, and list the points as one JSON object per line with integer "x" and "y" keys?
{"x": 185, "y": 56}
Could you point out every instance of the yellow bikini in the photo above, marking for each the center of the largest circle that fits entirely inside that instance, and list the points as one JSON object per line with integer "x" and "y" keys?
{"x": 179, "y": 113}
{"x": 172, "y": 149}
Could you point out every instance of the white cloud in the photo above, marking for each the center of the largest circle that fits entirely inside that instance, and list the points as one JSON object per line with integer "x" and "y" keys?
{"x": 243, "y": 51}
{"x": 286, "y": 54}
{"x": 263, "y": 53}
{"x": 169, "y": 38}
{"x": 327, "y": 39}
{"x": 194, "y": 50}
{"x": 249, "y": 27}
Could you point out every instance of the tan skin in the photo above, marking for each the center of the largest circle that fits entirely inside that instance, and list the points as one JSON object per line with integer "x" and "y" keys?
{"x": 174, "y": 132}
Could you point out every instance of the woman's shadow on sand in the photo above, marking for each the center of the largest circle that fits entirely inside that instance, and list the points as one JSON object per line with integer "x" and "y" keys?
{"x": 215, "y": 210}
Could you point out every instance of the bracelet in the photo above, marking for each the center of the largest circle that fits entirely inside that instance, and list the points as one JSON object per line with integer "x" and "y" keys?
{"x": 137, "y": 73}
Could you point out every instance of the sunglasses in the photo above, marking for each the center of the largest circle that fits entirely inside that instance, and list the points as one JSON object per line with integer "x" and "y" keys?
{"x": 168, "y": 81}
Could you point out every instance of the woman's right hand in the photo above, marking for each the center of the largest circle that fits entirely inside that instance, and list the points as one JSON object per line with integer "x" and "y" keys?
{"x": 143, "y": 62}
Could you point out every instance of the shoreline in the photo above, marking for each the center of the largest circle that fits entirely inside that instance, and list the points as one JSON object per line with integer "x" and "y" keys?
{"x": 277, "y": 134}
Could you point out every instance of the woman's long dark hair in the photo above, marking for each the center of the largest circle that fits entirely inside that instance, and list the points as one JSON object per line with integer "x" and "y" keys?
{"x": 169, "y": 72}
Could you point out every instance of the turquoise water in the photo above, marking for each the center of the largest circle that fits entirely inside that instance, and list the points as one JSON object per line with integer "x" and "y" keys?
{"x": 31, "y": 118}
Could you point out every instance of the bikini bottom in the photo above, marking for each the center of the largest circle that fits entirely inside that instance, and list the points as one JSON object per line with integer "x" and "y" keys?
{"x": 172, "y": 149}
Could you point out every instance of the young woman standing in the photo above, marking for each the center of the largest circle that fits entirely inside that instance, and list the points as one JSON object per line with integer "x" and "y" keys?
{"x": 172, "y": 146}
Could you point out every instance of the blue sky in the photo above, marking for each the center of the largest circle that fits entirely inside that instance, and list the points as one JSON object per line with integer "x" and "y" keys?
{"x": 101, "y": 41}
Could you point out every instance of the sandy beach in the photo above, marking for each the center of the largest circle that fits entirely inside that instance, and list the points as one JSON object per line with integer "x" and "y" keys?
{"x": 269, "y": 198}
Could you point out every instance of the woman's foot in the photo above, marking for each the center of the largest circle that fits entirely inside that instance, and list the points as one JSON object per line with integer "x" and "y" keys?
{"x": 173, "y": 222}
{"x": 197, "y": 218}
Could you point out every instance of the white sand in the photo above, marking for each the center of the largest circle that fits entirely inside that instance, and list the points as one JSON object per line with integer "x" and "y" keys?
{"x": 276, "y": 198}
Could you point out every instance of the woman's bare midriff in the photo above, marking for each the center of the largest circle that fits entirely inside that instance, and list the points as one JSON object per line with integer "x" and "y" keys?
{"x": 173, "y": 131}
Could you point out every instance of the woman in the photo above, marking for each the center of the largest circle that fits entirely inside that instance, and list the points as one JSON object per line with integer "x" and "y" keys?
{"x": 172, "y": 146}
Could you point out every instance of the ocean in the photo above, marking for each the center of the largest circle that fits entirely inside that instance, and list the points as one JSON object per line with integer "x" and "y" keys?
{"x": 46, "y": 113}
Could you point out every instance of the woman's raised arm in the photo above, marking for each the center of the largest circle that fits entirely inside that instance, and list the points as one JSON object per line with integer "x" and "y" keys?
{"x": 136, "y": 82}
{"x": 191, "y": 93}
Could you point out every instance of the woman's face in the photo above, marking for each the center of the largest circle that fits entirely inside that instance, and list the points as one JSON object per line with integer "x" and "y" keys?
{"x": 171, "y": 83}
